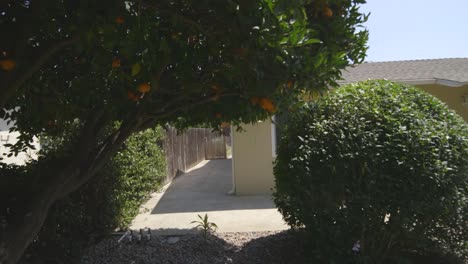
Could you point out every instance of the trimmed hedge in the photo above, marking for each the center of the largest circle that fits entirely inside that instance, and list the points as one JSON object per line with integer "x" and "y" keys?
{"x": 376, "y": 172}
{"x": 107, "y": 202}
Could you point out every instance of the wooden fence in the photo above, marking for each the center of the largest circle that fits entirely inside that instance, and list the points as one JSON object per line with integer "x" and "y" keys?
{"x": 185, "y": 150}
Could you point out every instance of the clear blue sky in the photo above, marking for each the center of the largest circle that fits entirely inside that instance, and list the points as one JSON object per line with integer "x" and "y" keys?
{"x": 416, "y": 29}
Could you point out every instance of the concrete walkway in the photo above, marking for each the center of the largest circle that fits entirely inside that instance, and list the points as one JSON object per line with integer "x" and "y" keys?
{"x": 204, "y": 189}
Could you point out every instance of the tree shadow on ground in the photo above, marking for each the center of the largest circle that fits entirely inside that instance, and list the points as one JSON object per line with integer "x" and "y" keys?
{"x": 206, "y": 189}
{"x": 194, "y": 249}
{"x": 283, "y": 247}
{"x": 289, "y": 247}
{"x": 286, "y": 247}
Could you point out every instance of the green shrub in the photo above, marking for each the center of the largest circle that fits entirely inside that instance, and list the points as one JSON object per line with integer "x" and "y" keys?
{"x": 108, "y": 201}
{"x": 378, "y": 166}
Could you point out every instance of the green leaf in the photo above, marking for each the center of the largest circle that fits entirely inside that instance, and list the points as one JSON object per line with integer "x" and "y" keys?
{"x": 136, "y": 68}
{"x": 311, "y": 41}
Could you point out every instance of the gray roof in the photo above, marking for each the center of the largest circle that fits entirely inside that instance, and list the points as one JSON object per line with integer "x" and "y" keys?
{"x": 449, "y": 72}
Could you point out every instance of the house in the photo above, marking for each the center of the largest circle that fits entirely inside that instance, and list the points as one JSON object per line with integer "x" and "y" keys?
{"x": 446, "y": 79}
{"x": 253, "y": 151}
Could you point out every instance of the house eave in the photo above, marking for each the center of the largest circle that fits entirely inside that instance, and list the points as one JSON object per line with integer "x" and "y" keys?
{"x": 443, "y": 82}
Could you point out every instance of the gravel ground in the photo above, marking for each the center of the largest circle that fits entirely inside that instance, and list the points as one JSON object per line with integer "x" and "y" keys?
{"x": 245, "y": 248}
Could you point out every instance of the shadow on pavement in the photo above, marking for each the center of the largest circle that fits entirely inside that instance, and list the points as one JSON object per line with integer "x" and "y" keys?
{"x": 206, "y": 189}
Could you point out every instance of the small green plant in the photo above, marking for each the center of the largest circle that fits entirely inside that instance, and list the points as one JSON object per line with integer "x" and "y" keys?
{"x": 205, "y": 225}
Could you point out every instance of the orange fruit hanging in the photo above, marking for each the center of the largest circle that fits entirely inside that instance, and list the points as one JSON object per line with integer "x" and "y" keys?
{"x": 115, "y": 63}
{"x": 7, "y": 65}
{"x": 327, "y": 12}
{"x": 267, "y": 104}
{"x": 132, "y": 96}
{"x": 144, "y": 88}
{"x": 119, "y": 20}
{"x": 290, "y": 84}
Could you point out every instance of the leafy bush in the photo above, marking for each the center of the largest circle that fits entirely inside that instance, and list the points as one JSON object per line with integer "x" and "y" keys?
{"x": 375, "y": 172}
{"x": 108, "y": 201}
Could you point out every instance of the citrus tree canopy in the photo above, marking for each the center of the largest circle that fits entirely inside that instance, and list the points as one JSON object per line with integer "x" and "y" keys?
{"x": 89, "y": 65}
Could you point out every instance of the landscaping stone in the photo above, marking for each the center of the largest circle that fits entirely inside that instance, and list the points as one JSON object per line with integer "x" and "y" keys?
{"x": 173, "y": 240}
{"x": 237, "y": 248}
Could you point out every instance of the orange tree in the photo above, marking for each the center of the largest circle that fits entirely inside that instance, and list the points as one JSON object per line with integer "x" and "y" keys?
{"x": 105, "y": 69}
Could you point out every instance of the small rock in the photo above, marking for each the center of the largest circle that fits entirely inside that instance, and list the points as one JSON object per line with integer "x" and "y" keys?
{"x": 172, "y": 240}
{"x": 222, "y": 248}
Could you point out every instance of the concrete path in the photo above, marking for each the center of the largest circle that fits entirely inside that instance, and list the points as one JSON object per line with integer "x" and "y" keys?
{"x": 204, "y": 189}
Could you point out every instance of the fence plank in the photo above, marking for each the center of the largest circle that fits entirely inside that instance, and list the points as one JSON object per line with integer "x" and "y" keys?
{"x": 185, "y": 150}
{"x": 215, "y": 146}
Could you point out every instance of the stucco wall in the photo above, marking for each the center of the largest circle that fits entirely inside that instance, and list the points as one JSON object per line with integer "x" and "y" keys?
{"x": 252, "y": 159}
{"x": 452, "y": 96}
{"x": 252, "y": 149}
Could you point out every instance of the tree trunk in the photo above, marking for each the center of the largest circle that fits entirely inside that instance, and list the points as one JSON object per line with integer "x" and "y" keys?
{"x": 84, "y": 165}
{"x": 19, "y": 235}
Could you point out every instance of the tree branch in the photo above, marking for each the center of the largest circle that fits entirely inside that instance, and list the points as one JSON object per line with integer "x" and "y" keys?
{"x": 161, "y": 114}
{"x": 8, "y": 90}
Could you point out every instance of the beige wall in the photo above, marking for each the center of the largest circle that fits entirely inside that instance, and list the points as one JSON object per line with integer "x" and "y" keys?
{"x": 252, "y": 149}
{"x": 252, "y": 159}
{"x": 452, "y": 96}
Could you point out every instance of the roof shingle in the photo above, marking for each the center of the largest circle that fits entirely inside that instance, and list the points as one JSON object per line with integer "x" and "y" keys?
{"x": 454, "y": 70}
